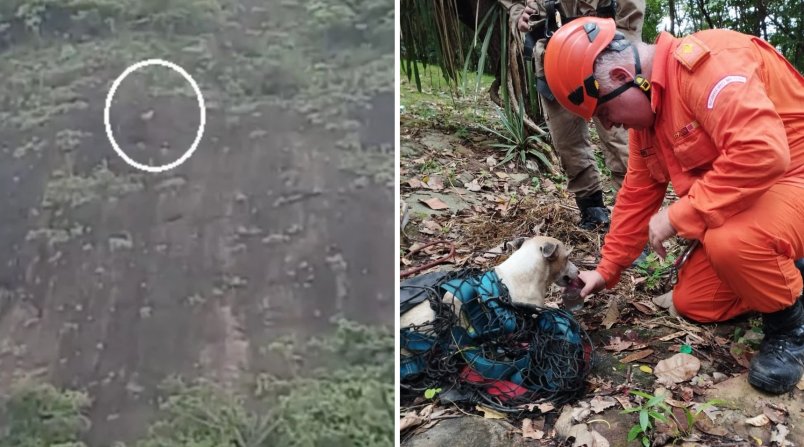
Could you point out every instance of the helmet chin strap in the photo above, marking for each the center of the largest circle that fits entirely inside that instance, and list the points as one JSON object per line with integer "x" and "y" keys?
{"x": 639, "y": 81}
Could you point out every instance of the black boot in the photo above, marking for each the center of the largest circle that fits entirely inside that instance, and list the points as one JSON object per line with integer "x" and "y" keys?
{"x": 642, "y": 257}
{"x": 594, "y": 213}
{"x": 779, "y": 364}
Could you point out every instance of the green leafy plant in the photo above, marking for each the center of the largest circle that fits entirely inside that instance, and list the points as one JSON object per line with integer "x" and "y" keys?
{"x": 40, "y": 415}
{"x": 345, "y": 399}
{"x": 206, "y": 414}
{"x": 517, "y": 144}
{"x": 654, "y": 269}
{"x": 431, "y": 392}
{"x": 601, "y": 164}
{"x": 655, "y": 409}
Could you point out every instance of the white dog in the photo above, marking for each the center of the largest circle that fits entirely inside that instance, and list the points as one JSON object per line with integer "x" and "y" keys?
{"x": 527, "y": 273}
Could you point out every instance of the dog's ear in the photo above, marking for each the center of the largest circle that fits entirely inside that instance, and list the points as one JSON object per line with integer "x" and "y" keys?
{"x": 516, "y": 244}
{"x": 549, "y": 250}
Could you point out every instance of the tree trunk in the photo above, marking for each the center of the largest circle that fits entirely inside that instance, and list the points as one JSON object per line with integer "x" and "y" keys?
{"x": 708, "y": 19}
{"x": 672, "y": 9}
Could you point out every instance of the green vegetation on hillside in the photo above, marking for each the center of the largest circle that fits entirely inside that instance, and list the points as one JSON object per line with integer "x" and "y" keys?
{"x": 347, "y": 402}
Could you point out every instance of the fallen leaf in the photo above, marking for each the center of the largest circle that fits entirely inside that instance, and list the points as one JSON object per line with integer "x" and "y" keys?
{"x": 545, "y": 407}
{"x": 677, "y": 403}
{"x": 529, "y": 432}
{"x": 721, "y": 341}
{"x": 612, "y": 314}
{"x": 776, "y": 416}
{"x": 548, "y": 186}
{"x": 703, "y": 381}
{"x": 646, "y": 307}
{"x": 432, "y": 226}
{"x": 564, "y": 424}
{"x": 740, "y": 354}
{"x": 427, "y": 411}
{"x": 718, "y": 377}
{"x": 678, "y": 368}
{"x": 501, "y": 174}
{"x": 473, "y": 186}
{"x": 415, "y": 183}
{"x": 779, "y": 436}
{"x": 710, "y": 411}
{"x": 709, "y": 427}
{"x": 669, "y": 337}
{"x": 598, "y": 440}
{"x": 645, "y": 369}
{"x": 435, "y": 203}
{"x": 488, "y": 413}
{"x": 662, "y": 391}
{"x": 600, "y": 403}
{"x": 410, "y": 420}
{"x": 481, "y": 260}
{"x": 581, "y": 412}
{"x": 636, "y": 356}
{"x": 664, "y": 301}
{"x": 618, "y": 345}
{"x": 416, "y": 246}
{"x": 624, "y": 402}
{"x": 435, "y": 183}
{"x": 758, "y": 421}
{"x": 586, "y": 437}
{"x": 686, "y": 393}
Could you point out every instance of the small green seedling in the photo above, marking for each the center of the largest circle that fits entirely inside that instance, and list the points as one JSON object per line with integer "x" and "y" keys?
{"x": 655, "y": 409}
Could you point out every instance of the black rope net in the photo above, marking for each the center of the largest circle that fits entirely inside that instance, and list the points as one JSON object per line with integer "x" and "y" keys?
{"x": 490, "y": 350}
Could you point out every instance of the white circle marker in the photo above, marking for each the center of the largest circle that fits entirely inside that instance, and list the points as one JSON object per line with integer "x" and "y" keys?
{"x": 198, "y": 135}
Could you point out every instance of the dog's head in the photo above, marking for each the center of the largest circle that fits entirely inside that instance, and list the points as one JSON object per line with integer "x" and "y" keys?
{"x": 547, "y": 256}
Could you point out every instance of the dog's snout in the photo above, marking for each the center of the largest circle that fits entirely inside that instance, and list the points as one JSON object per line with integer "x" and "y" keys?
{"x": 566, "y": 278}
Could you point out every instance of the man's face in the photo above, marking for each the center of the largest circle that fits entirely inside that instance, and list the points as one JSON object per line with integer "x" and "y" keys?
{"x": 631, "y": 110}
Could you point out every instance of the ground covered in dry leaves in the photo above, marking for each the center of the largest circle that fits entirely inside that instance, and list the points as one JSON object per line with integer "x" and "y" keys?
{"x": 456, "y": 192}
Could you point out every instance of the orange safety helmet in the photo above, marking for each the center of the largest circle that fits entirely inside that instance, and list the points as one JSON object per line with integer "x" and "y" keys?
{"x": 569, "y": 62}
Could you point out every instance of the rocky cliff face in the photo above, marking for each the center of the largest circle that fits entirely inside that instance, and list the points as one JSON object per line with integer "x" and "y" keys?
{"x": 113, "y": 279}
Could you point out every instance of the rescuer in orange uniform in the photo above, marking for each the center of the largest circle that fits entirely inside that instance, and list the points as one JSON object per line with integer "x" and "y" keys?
{"x": 720, "y": 115}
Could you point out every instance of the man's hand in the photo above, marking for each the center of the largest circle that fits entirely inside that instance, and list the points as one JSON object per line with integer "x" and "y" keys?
{"x": 659, "y": 230}
{"x": 592, "y": 282}
{"x": 524, "y": 20}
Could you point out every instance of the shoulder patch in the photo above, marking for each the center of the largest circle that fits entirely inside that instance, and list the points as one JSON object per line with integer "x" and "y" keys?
{"x": 691, "y": 52}
{"x": 710, "y": 102}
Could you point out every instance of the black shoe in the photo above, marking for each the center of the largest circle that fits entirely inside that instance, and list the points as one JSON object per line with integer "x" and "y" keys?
{"x": 800, "y": 266}
{"x": 779, "y": 364}
{"x": 593, "y": 218}
{"x": 642, "y": 257}
{"x": 594, "y": 213}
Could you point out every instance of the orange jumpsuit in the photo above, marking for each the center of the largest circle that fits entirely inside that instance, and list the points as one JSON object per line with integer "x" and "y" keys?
{"x": 729, "y": 135}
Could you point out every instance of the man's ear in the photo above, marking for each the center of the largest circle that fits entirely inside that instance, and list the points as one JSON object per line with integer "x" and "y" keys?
{"x": 620, "y": 75}
{"x": 549, "y": 251}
